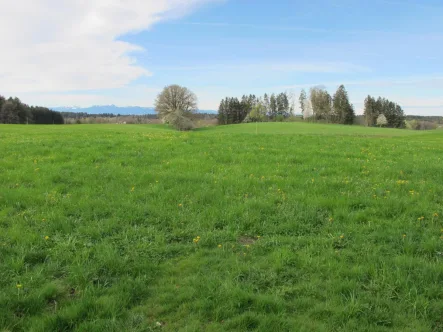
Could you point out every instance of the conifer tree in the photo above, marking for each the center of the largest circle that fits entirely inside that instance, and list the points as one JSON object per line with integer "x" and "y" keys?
{"x": 342, "y": 108}
{"x": 302, "y": 99}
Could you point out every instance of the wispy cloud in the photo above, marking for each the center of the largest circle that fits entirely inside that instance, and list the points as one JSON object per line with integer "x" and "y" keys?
{"x": 329, "y": 31}
{"x": 277, "y": 66}
{"x": 417, "y": 4}
{"x": 387, "y": 82}
{"x": 256, "y": 26}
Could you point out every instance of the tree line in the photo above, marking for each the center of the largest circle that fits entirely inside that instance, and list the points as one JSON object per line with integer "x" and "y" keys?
{"x": 13, "y": 111}
{"x": 374, "y": 108}
{"x": 317, "y": 105}
{"x": 255, "y": 109}
{"x": 321, "y": 106}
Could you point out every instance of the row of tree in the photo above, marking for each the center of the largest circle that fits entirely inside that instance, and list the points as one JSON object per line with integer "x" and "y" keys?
{"x": 374, "y": 108}
{"x": 320, "y": 105}
{"x": 255, "y": 109}
{"x": 13, "y": 111}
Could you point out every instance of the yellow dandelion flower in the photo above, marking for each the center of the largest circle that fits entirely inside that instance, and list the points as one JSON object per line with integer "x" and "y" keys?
{"x": 219, "y": 246}
{"x": 404, "y": 235}
{"x": 43, "y": 219}
{"x": 46, "y": 238}
{"x": 342, "y": 236}
{"x": 19, "y": 285}
{"x": 180, "y": 205}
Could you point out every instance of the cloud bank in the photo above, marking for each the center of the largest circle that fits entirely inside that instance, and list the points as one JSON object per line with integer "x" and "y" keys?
{"x": 70, "y": 45}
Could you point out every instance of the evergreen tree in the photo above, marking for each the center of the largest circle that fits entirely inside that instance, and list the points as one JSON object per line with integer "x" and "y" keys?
{"x": 9, "y": 113}
{"x": 302, "y": 99}
{"x": 392, "y": 112}
{"x": 222, "y": 119}
{"x": 2, "y": 101}
{"x": 400, "y": 115}
{"x": 342, "y": 109}
{"x": 282, "y": 105}
{"x": 378, "y": 109}
{"x": 349, "y": 115}
{"x": 370, "y": 112}
{"x": 273, "y": 107}
{"x": 13, "y": 111}
{"x": 267, "y": 104}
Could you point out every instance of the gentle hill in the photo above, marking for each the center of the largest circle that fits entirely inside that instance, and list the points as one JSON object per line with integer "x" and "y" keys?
{"x": 311, "y": 129}
{"x": 112, "y": 109}
{"x": 301, "y": 227}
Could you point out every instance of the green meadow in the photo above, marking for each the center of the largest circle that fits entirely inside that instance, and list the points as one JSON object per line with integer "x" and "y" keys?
{"x": 254, "y": 227}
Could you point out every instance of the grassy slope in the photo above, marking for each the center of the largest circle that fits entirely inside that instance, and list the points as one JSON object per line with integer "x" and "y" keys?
{"x": 319, "y": 228}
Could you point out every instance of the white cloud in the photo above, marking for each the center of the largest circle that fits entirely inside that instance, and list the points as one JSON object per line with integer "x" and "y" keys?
{"x": 66, "y": 45}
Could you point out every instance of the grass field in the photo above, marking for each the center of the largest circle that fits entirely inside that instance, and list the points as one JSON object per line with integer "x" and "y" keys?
{"x": 275, "y": 227}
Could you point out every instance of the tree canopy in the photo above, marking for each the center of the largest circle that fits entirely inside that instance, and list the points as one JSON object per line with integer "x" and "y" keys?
{"x": 393, "y": 112}
{"x": 255, "y": 109}
{"x": 176, "y": 105}
{"x": 13, "y": 111}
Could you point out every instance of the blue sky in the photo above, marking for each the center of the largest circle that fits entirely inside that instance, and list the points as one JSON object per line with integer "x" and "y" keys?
{"x": 229, "y": 48}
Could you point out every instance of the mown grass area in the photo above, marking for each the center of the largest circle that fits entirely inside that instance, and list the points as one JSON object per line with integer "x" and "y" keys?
{"x": 141, "y": 228}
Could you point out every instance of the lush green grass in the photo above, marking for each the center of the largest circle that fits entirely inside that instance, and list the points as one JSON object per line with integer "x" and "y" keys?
{"x": 324, "y": 228}
{"x": 311, "y": 129}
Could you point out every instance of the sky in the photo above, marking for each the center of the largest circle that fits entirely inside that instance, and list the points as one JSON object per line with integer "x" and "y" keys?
{"x": 123, "y": 52}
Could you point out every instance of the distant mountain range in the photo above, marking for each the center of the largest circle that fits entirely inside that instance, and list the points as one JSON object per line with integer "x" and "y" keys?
{"x": 112, "y": 109}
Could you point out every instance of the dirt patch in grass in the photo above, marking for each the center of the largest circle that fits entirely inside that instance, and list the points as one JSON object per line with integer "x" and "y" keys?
{"x": 247, "y": 240}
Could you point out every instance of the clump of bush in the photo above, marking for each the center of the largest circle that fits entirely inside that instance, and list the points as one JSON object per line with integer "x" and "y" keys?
{"x": 421, "y": 125}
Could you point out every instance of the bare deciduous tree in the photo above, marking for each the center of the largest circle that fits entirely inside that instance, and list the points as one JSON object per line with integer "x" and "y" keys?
{"x": 176, "y": 105}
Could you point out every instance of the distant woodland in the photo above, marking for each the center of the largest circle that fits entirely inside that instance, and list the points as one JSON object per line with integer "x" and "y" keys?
{"x": 317, "y": 105}
{"x": 13, "y": 111}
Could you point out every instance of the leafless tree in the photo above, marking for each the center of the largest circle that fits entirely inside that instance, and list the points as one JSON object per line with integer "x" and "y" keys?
{"x": 176, "y": 105}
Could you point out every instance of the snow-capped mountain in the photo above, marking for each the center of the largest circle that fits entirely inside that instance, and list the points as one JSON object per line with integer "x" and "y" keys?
{"x": 112, "y": 109}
